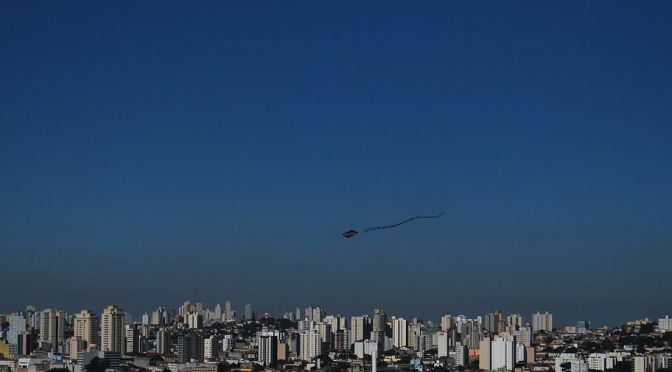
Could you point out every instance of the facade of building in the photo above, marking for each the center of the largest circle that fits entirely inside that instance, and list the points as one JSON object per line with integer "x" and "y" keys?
{"x": 112, "y": 332}
{"x": 52, "y": 328}
{"x": 86, "y": 327}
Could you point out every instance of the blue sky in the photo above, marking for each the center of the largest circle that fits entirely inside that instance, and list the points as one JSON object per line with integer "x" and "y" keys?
{"x": 148, "y": 149}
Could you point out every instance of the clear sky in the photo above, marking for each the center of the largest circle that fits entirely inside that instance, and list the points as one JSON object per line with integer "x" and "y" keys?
{"x": 151, "y": 148}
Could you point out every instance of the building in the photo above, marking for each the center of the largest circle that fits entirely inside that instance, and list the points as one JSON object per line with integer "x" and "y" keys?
{"x": 190, "y": 346}
{"x": 443, "y": 344}
{"x": 112, "y": 332}
{"x": 310, "y": 345}
{"x": 211, "y": 348}
{"x": 514, "y": 322}
{"x": 366, "y": 347}
{"x": 194, "y": 320}
{"x": 643, "y": 363}
{"x": 228, "y": 315}
{"x": 162, "y": 341}
{"x": 542, "y": 322}
{"x": 447, "y": 322}
{"x": 77, "y": 345}
{"x": 86, "y": 327}
{"x": 399, "y": 332}
{"x": 665, "y": 324}
{"x": 247, "y": 312}
{"x": 360, "y": 328}
{"x": 4, "y": 349}
{"x": 267, "y": 354}
{"x": 17, "y": 324}
{"x": 503, "y": 353}
{"x": 135, "y": 341}
{"x": 484, "y": 354}
{"x": 52, "y": 327}
{"x": 461, "y": 355}
{"x": 26, "y": 342}
{"x": 601, "y": 361}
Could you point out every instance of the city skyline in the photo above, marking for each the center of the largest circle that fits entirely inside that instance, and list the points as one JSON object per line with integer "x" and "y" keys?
{"x": 155, "y": 152}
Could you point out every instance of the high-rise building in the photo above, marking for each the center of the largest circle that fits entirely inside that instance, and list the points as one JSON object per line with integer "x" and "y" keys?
{"x": 360, "y": 328}
{"x": 17, "y": 324}
{"x": 542, "y": 322}
{"x": 86, "y": 326}
{"x": 26, "y": 342}
{"x": 52, "y": 327}
{"x": 134, "y": 339}
{"x": 190, "y": 346}
{"x": 514, "y": 322}
{"x": 447, "y": 322}
{"x": 461, "y": 355}
{"x": 112, "y": 335}
{"x": 227, "y": 311}
{"x": 247, "y": 312}
{"x": 267, "y": 354}
{"x": 378, "y": 329}
{"x": 194, "y": 320}
{"x": 218, "y": 313}
{"x": 414, "y": 336}
{"x": 162, "y": 341}
{"x": 311, "y": 345}
{"x": 443, "y": 344}
{"x": 523, "y": 335}
{"x": 503, "y": 353}
{"x": 399, "y": 332}
{"x": 664, "y": 324}
{"x": 211, "y": 348}
{"x": 484, "y": 355}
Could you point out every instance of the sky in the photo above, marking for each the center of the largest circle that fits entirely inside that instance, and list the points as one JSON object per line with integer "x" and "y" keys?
{"x": 154, "y": 152}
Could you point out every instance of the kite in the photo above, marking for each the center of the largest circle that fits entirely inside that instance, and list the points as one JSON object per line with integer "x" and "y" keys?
{"x": 350, "y": 233}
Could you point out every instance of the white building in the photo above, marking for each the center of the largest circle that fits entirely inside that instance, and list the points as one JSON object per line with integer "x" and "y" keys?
{"x": 665, "y": 324}
{"x": 311, "y": 345}
{"x": 211, "y": 347}
{"x": 365, "y": 347}
{"x": 503, "y": 353}
{"x": 443, "y": 344}
{"x": 542, "y": 322}
{"x": 399, "y": 332}
{"x": 601, "y": 361}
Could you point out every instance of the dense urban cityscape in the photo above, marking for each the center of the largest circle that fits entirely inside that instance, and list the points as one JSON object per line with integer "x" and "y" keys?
{"x": 194, "y": 338}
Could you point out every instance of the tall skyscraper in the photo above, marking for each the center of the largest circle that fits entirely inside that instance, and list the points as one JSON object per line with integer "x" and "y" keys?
{"x": 447, "y": 322}
{"x": 443, "y": 344}
{"x": 190, "y": 346}
{"x": 247, "y": 312}
{"x": 514, "y": 322}
{"x": 218, "y": 313}
{"x": 267, "y": 354}
{"x": 227, "y": 311}
{"x": 86, "y": 326}
{"x": 52, "y": 327}
{"x": 542, "y": 322}
{"x": 359, "y": 328}
{"x": 311, "y": 345}
{"x": 134, "y": 339}
{"x": 484, "y": 355}
{"x": 112, "y": 335}
{"x": 503, "y": 353}
{"x": 211, "y": 347}
{"x": 399, "y": 332}
{"x": 17, "y": 324}
{"x": 379, "y": 325}
{"x": 162, "y": 341}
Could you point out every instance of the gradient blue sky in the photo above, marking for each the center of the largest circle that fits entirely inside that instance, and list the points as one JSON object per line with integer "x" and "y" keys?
{"x": 148, "y": 148}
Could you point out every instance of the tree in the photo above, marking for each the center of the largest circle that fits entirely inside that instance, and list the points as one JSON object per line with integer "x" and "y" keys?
{"x": 97, "y": 365}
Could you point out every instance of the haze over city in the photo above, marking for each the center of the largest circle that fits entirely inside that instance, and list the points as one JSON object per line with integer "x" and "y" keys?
{"x": 156, "y": 152}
